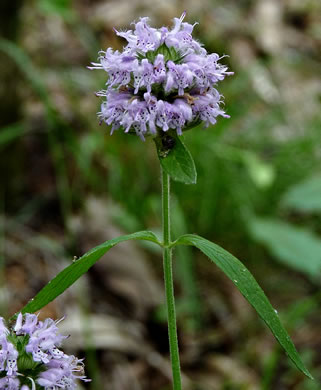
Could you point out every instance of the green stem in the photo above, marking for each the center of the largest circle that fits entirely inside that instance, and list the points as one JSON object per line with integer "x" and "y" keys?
{"x": 169, "y": 285}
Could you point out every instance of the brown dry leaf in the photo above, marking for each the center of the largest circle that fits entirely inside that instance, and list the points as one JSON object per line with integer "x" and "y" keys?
{"x": 102, "y": 332}
{"x": 124, "y": 271}
{"x": 110, "y": 333}
{"x": 234, "y": 371}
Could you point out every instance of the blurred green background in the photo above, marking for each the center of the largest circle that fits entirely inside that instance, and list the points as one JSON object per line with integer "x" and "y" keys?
{"x": 67, "y": 186}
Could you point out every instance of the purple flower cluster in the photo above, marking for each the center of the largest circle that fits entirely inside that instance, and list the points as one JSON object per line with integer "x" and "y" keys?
{"x": 30, "y": 358}
{"x": 163, "y": 79}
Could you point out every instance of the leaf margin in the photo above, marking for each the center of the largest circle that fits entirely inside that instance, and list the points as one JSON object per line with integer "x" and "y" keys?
{"x": 284, "y": 339}
{"x": 168, "y": 156}
{"x": 74, "y": 271}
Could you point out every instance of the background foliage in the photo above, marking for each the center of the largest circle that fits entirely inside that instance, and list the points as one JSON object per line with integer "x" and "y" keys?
{"x": 67, "y": 186}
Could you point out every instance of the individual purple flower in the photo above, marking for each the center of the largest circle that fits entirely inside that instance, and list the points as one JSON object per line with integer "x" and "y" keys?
{"x": 181, "y": 38}
{"x": 147, "y": 74}
{"x": 159, "y": 69}
{"x": 183, "y": 114}
{"x": 136, "y": 118}
{"x": 162, "y": 80}
{"x": 179, "y": 77}
{"x": 113, "y": 109}
{"x": 207, "y": 108}
{"x": 151, "y": 104}
{"x": 163, "y": 115}
{"x": 8, "y": 383}
{"x": 43, "y": 364}
{"x": 62, "y": 373}
{"x": 29, "y": 325}
{"x": 8, "y": 356}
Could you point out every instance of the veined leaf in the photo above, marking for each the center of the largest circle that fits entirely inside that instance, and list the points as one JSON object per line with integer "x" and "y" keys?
{"x": 69, "y": 275}
{"x": 247, "y": 285}
{"x": 296, "y": 247}
{"x": 175, "y": 158}
{"x": 304, "y": 196}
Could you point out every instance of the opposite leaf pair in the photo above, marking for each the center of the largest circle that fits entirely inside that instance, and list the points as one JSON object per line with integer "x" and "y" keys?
{"x": 229, "y": 264}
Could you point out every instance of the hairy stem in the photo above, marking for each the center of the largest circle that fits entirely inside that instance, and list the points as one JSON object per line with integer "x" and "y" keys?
{"x": 169, "y": 285}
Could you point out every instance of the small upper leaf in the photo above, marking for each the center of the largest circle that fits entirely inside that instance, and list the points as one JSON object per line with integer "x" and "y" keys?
{"x": 70, "y": 274}
{"x": 247, "y": 285}
{"x": 175, "y": 158}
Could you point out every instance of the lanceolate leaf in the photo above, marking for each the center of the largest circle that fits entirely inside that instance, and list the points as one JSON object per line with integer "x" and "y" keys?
{"x": 73, "y": 272}
{"x": 175, "y": 158}
{"x": 248, "y": 286}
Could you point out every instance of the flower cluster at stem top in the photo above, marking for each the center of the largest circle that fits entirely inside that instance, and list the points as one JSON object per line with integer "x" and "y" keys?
{"x": 31, "y": 360}
{"x": 163, "y": 79}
